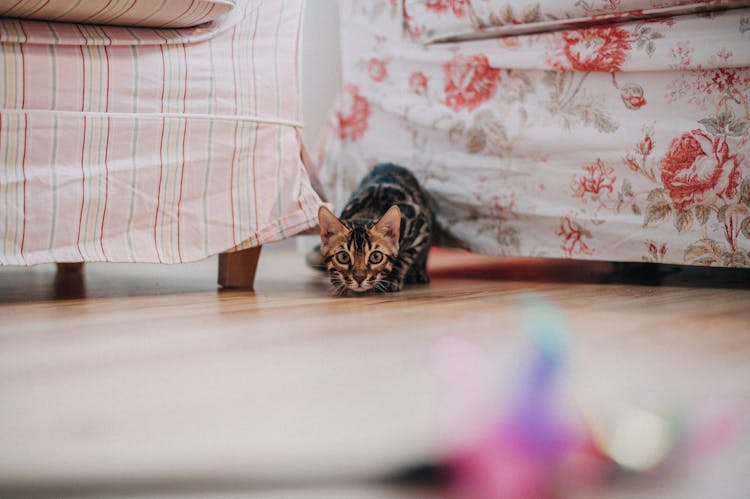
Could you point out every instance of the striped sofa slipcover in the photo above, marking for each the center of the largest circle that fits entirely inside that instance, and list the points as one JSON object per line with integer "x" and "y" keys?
{"x": 148, "y": 144}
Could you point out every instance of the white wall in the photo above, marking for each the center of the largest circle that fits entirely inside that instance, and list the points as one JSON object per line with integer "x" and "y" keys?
{"x": 321, "y": 76}
{"x": 321, "y": 65}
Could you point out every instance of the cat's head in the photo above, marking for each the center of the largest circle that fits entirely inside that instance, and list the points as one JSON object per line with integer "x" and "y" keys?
{"x": 359, "y": 256}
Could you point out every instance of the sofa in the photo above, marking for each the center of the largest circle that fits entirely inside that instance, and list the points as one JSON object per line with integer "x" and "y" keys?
{"x": 595, "y": 130}
{"x": 159, "y": 131}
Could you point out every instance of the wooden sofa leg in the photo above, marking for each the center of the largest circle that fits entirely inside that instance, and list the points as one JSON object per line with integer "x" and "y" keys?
{"x": 70, "y": 268}
{"x": 237, "y": 269}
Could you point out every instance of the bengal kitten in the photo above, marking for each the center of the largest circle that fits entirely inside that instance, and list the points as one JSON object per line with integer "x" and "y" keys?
{"x": 383, "y": 236}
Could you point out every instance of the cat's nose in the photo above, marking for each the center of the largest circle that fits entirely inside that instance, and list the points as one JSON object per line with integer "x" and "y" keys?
{"x": 359, "y": 277}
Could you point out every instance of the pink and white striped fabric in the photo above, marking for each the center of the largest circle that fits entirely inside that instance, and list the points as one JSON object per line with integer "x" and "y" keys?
{"x": 149, "y": 145}
{"x": 144, "y": 13}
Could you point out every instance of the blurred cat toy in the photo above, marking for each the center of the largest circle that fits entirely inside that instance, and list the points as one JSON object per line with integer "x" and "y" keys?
{"x": 540, "y": 449}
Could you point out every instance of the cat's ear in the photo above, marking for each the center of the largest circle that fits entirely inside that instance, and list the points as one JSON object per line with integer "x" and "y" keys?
{"x": 389, "y": 225}
{"x": 330, "y": 227}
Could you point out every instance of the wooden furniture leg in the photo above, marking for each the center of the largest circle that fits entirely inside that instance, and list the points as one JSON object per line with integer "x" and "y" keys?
{"x": 69, "y": 268}
{"x": 237, "y": 269}
{"x": 70, "y": 283}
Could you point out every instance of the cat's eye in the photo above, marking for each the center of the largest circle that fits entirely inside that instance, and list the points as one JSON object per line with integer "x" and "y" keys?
{"x": 342, "y": 257}
{"x": 376, "y": 257}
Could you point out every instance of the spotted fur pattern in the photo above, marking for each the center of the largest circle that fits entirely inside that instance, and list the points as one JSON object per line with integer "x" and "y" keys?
{"x": 383, "y": 236}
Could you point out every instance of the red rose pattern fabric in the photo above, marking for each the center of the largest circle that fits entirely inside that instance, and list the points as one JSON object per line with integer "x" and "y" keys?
{"x": 352, "y": 114}
{"x": 573, "y": 242}
{"x": 432, "y": 21}
{"x": 595, "y": 49}
{"x": 457, "y": 7}
{"x": 700, "y": 170}
{"x": 469, "y": 81}
{"x": 622, "y": 142}
{"x": 632, "y": 96}
{"x": 377, "y": 69}
{"x": 418, "y": 83}
{"x": 598, "y": 179}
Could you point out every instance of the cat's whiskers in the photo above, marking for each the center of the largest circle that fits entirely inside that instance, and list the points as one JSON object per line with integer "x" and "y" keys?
{"x": 384, "y": 285}
{"x": 337, "y": 284}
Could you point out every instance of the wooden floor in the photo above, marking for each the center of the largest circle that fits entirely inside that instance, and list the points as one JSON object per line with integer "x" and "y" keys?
{"x": 139, "y": 380}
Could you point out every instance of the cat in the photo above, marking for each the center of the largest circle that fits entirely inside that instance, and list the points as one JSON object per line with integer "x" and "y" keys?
{"x": 383, "y": 236}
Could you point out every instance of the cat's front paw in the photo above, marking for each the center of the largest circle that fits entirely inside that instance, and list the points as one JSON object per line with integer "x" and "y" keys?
{"x": 391, "y": 287}
{"x": 420, "y": 277}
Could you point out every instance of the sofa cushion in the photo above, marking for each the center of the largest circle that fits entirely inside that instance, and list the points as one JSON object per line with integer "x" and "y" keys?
{"x": 140, "y": 13}
{"x": 448, "y": 20}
